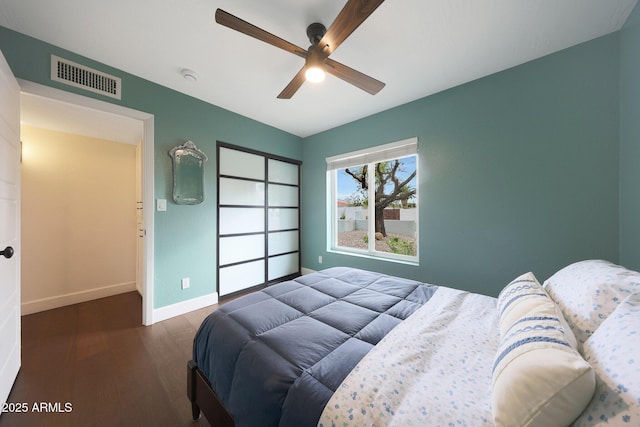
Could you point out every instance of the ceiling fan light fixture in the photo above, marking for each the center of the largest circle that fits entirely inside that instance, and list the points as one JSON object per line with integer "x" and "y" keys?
{"x": 314, "y": 74}
{"x": 315, "y": 66}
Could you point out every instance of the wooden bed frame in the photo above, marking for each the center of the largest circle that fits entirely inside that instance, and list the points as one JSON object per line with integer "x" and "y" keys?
{"x": 204, "y": 399}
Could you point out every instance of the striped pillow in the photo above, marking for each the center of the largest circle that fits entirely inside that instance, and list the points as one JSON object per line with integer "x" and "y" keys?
{"x": 524, "y": 295}
{"x": 539, "y": 378}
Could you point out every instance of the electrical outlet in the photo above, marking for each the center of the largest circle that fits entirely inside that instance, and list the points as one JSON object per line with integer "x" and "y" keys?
{"x": 185, "y": 283}
{"x": 320, "y": 259}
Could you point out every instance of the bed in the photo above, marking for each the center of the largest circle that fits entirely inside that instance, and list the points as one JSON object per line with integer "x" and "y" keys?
{"x": 348, "y": 347}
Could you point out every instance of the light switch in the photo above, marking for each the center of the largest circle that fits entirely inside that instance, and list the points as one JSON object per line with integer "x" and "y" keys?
{"x": 161, "y": 205}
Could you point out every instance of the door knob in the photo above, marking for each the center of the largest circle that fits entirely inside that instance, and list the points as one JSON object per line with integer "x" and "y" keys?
{"x": 8, "y": 252}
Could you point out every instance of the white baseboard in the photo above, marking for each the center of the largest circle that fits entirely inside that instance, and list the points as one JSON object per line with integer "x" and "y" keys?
{"x": 42, "y": 304}
{"x": 304, "y": 271}
{"x": 169, "y": 311}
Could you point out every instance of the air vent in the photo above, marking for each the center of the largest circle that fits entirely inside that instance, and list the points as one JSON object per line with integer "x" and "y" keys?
{"x": 70, "y": 73}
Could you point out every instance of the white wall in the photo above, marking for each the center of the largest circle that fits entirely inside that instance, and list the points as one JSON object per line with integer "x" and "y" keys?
{"x": 78, "y": 218}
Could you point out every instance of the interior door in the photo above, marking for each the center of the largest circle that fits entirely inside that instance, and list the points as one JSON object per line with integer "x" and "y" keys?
{"x": 9, "y": 229}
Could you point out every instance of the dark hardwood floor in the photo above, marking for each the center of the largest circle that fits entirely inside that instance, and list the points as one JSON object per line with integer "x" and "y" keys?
{"x": 94, "y": 364}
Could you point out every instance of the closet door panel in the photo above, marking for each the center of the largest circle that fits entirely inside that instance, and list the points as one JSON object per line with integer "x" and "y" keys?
{"x": 283, "y": 265}
{"x": 241, "y": 192}
{"x": 241, "y": 164}
{"x": 242, "y": 276}
{"x": 241, "y": 248}
{"x": 283, "y": 219}
{"x": 280, "y": 243}
{"x": 283, "y": 172}
{"x": 283, "y": 195}
{"x": 241, "y": 220}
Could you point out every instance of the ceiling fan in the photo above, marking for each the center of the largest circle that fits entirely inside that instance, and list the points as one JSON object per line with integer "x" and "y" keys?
{"x": 323, "y": 43}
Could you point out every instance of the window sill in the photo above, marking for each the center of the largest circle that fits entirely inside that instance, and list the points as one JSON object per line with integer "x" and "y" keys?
{"x": 369, "y": 255}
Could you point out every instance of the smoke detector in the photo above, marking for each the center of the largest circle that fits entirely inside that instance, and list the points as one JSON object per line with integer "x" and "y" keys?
{"x": 190, "y": 75}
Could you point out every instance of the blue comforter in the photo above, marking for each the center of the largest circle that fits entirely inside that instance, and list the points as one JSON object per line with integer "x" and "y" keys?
{"x": 275, "y": 357}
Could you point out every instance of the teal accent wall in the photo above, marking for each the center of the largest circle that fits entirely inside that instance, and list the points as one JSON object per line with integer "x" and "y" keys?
{"x": 185, "y": 236}
{"x": 525, "y": 170}
{"x": 519, "y": 171}
{"x": 630, "y": 142}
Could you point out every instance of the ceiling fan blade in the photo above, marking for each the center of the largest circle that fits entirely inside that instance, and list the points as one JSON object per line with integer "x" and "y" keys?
{"x": 354, "y": 13}
{"x": 293, "y": 85}
{"x": 356, "y": 78}
{"x": 235, "y": 23}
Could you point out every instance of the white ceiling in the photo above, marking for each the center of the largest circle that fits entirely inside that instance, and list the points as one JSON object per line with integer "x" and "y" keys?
{"x": 417, "y": 47}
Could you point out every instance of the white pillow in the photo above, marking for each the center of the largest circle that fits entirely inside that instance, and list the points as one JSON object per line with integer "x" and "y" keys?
{"x": 614, "y": 352}
{"x": 588, "y": 291}
{"x": 539, "y": 378}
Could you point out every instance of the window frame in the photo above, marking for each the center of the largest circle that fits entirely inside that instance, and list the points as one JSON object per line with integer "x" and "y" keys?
{"x": 369, "y": 157}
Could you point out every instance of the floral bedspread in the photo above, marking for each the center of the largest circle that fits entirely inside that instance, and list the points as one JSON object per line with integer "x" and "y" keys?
{"x": 434, "y": 369}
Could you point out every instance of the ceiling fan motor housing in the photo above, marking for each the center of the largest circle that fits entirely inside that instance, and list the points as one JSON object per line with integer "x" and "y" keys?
{"x": 315, "y": 32}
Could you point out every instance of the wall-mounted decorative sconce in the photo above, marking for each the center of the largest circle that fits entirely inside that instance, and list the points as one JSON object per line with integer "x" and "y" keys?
{"x": 188, "y": 173}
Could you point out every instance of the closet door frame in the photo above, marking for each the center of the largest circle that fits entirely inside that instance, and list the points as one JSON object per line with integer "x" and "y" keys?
{"x": 265, "y": 207}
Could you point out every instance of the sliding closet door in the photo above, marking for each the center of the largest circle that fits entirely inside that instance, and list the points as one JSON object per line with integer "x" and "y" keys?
{"x": 258, "y": 218}
{"x": 283, "y": 224}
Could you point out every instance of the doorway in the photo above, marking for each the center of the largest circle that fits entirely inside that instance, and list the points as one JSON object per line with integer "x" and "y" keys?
{"x": 134, "y": 128}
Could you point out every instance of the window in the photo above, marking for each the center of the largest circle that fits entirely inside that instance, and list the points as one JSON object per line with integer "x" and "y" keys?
{"x": 373, "y": 202}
